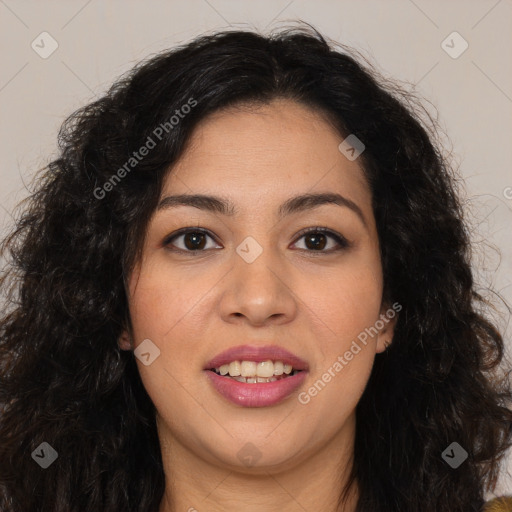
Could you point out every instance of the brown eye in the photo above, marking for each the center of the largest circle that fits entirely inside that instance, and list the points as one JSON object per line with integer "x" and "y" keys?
{"x": 193, "y": 240}
{"x": 317, "y": 239}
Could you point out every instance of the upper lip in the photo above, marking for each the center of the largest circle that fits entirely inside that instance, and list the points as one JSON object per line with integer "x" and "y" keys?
{"x": 257, "y": 354}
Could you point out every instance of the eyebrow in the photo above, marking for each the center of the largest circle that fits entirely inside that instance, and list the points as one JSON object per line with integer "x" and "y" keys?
{"x": 293, "y": 205}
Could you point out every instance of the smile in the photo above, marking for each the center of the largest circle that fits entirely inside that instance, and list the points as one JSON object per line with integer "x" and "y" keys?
{"x": 256, "y": 376}
{"x": 252, "y": 372}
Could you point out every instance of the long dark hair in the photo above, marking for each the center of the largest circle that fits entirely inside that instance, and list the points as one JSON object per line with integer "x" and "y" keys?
{"x": 63, "y": 379}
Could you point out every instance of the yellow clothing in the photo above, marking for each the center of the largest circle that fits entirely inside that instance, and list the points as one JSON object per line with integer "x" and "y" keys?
{"x": 503, "y": 504}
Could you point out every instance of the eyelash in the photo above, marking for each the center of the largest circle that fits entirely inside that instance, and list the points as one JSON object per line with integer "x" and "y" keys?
{"x": 340, "y": 240}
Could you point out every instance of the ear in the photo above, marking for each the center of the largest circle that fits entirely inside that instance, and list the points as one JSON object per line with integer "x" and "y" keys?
{"x": 125, "y": 341}
{"x": 386, "y": 325}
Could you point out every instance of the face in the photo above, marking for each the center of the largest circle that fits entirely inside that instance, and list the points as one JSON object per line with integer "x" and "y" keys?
{"x": 306, "y": 279}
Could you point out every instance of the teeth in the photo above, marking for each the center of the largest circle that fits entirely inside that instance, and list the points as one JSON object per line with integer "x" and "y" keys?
{"x": 252, "y": 380}
{"x": 265, "y": 369}
{"x": 251, "y": 369}
{"x": 248, "y": 369}
{"x": 235, "y": 369}
{"x": 278, "y": 368}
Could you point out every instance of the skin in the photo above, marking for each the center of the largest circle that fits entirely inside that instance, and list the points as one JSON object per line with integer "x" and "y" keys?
{"x": 310, "y": 302}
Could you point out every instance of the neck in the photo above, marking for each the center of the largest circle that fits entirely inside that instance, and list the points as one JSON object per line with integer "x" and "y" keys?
{"x": 194, "y": 484}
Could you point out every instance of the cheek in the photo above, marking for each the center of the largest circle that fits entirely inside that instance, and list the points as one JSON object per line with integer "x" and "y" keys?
{"x": 162, "y": 300}
{"x": 349, "y": 305}
{"x": 170, "y": 309}
{"x": 343, "y": 312}
{"x": 162, "y": 308}
{"x": 344, "y": 304}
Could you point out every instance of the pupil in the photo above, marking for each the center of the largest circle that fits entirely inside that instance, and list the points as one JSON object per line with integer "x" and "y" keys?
{"x": 315, "y": 237}
{"x": 195, "y": 237}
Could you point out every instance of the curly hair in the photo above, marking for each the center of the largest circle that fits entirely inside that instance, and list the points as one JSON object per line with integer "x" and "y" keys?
{"x": 63, "y": 378}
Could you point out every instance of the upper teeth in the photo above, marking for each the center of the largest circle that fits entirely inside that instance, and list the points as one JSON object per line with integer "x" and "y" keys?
{"x": 254, "y": 369}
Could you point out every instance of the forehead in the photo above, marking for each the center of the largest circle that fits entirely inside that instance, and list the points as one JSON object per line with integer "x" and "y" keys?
{"x": 265, "y": 151}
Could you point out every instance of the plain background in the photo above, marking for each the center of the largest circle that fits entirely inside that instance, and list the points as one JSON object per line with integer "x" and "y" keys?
{"x": 471, "y": 95}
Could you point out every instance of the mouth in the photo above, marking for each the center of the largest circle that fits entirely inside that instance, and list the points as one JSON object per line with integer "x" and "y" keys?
{"x": 251, "y": 376}
{"x": 252, "y": 372}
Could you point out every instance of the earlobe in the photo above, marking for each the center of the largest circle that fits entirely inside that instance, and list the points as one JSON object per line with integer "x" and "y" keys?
{"x": 386, "y": 343}
{"x": 388, "y": 319}
{"x": 125, "y": 341}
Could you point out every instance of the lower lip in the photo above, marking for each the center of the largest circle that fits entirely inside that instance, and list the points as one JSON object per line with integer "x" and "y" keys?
{"x": 259, "y": 394}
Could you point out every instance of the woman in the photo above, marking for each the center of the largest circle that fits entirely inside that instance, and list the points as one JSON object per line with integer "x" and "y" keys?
{"x": 245, "y": 284}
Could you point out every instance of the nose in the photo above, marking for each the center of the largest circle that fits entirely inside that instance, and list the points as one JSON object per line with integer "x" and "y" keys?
{"x": 259, "y": 291}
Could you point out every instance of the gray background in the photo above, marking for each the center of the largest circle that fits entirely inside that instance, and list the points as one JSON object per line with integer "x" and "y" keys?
{"x": 98, "y": 41}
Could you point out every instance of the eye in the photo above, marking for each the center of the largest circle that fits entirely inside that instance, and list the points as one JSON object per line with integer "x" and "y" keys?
{"x": 193, "y": 239}
{"x": 316, "y": 240}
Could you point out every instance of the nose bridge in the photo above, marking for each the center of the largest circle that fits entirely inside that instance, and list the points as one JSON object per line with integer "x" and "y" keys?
{"x": 257, "y": 290}
{"x": 255, "y": 264}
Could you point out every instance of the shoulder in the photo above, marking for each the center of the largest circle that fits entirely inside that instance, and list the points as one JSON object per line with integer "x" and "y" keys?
{"x": 502, "y": 504}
